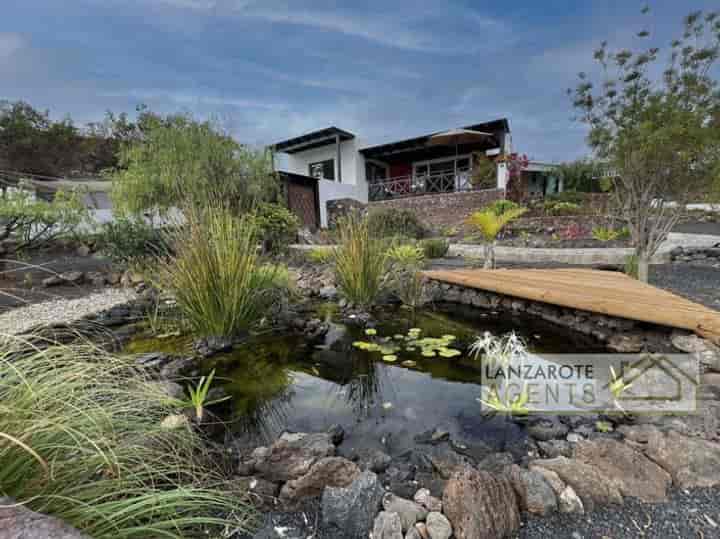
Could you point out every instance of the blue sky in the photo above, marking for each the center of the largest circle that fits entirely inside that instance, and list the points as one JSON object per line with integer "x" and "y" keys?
{"x": 269, "y": 70}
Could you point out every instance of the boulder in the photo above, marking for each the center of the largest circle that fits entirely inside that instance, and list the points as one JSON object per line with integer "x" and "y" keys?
{"x": 626, "y": 343}
{"x": 348, "y": 512}
{"x": 72, "y": 277}
{"x": 535, "y": 494}
{"x": 414, "y": 534}
{"x": 262, "y": 493}
{"x": 292, "y": 455}
{"x": 387, "y": 526}
{"x": 629, "y": 470}
{"x": 438, "y": 526}
{"x": 19, "y": 522}
{"x": 593, "y": 487}
{"x": 408, "y": 511}
{"x": 547, "y": 428}
{"x": 427, "y": 500}
{"x": 326, "y": 472}
{"x": 570, "y": 502}
{"x": 374, "y": 460}
{"x": 480, "y": 505}
{"x": 691, "y": 462}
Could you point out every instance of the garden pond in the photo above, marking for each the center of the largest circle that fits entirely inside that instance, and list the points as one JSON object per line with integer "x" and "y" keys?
{"x": 385, "y": 397}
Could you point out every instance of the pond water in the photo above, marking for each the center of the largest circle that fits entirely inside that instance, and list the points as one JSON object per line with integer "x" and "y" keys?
{"x": 287, "y": 383}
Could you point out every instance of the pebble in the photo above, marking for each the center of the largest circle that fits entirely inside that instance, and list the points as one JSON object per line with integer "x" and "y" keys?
{"x": 63, "y": 310}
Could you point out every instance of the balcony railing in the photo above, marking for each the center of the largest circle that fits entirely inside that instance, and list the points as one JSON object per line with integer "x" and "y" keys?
{"x": 409, "y": 186}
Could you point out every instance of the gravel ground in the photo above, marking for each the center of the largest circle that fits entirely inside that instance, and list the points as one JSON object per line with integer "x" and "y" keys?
{"x": 696, "y": 282}
{"x": 687, "y": 514}
{"x": 61, "y": 310}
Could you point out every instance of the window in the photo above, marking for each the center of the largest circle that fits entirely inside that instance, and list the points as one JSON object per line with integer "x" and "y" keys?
{"x": 322, "y": 170}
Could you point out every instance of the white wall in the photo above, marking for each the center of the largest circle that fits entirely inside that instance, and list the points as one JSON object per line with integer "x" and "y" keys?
{"x": 353, "y": 184}
{"x": 353, "y": 163}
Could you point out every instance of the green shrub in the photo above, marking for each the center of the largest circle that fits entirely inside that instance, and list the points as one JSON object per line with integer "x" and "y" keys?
{"x": 501, "y": 206}
{"x": 435, "y": 247}
{"x": 567, "y": 196}
{"x": 631, "y": 266}
{"x": 407, "y": 255}
{"x": 319, "y": 255}
{"x": 562, "y": 208}
{"x": 32, "y": 222}
{"x": 361, "y": 261}
{"x": 277, "y": 226}
{"x": 605, "y": 234}
{"x": 392, "y": 222}
{"x": 128, "y": 240}
{"x": 215, "y": 275}
{"x": 87, "y": 437}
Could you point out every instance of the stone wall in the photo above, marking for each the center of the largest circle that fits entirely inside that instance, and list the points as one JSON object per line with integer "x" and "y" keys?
{"x": 710, "y": 255}
{"x": 540, "y": 225}
{"x": 443, "y": 209}
{"x": 341, "y": 207}
{"x": 618, "y": 334}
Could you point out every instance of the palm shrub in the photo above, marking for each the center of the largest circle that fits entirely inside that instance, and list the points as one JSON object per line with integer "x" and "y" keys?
{"x": 84, "y": 437}
{"x": 489, "y": 225}
{"x": 215, "y": 274}
{"x": 361, "y": 261}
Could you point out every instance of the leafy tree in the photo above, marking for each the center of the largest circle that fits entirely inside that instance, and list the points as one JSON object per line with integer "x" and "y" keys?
{"x": 32, "y": 222}
{"x": 178, "y": 162}
{"x": 581, "y": 175}
{"x": 658, "y": 134}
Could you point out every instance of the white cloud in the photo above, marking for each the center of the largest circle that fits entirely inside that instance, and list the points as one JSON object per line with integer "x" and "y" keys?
{"x": 190, "y": 99}
{"x": 10, "y": 44}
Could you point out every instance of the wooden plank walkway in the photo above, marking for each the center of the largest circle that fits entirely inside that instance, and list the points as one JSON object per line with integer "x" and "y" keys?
{"x": 605, "y": 292}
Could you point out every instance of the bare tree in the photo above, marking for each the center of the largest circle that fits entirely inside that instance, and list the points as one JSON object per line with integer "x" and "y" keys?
{"x": 658, "y": 130}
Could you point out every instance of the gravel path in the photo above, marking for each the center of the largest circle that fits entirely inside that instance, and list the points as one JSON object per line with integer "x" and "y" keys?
{"x": 687, "y": 514}
{"x": 62, "y": 310}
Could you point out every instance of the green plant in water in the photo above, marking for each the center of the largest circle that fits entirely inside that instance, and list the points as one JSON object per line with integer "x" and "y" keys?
{"x": 408, "y": 282}
{"x": 514, "y": 406}
{"x": 215, "y": 275}
{"x": 82, "y": 440}
{"x": 501, "y": 352}
{"x": 199, "y": 394}
{"x": 361, "y": 262}
{"x": 489, "y": 225}
{"x": 411, "y": 342}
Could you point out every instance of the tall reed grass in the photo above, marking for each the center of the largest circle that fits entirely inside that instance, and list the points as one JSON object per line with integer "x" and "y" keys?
{"x": 361, "y": 261}
{"x": 82, "y": 439}
{"x": 215, "y": 274}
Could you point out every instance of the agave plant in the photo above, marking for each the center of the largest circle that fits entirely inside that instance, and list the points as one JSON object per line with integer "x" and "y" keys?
{"x": 489, "y": 224}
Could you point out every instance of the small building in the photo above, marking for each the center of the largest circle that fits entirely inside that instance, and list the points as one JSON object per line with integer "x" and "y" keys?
{"x": 344, "y": 167}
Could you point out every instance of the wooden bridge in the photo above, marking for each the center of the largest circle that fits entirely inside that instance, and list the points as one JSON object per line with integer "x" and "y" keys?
{"x": 605, "y": 292}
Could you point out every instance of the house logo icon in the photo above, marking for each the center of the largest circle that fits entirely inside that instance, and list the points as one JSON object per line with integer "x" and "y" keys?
{"x": 662, "y": 381}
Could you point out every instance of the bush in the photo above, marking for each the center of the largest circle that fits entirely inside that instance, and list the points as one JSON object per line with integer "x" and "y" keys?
{"x": 319, "y": 255}
{"x": 562, "y": 208}
{"x": 631, "y": 266}
{"x": 215, "y": 275}
{"x": 33, "y": 222}
{"x": 390, "y": 222}
{"x": 277, "y": 226}
{"x": 605, "y": 234}
{"x": 501, "y": 206}
{"x": 85, "y": 436}
{"x": 130, "y": 241}
{"x": 435, "y": 247}
{"x": 567, "y": 196}
{"x": 361, "y": 261}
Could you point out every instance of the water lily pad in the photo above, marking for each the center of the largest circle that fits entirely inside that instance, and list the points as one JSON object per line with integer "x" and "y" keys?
{"x": 387, "y": 405}
{"x": 370, "y": 332}
{"x": 449, "y": 352}
{"x": 409, "y": 363}
{"x": 428, "y": 353}
{"x": 390, "y": 358}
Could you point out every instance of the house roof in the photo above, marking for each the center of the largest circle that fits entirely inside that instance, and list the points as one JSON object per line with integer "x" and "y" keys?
{"x": 315, "y": 139}
{"x": 495, "y": 127}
